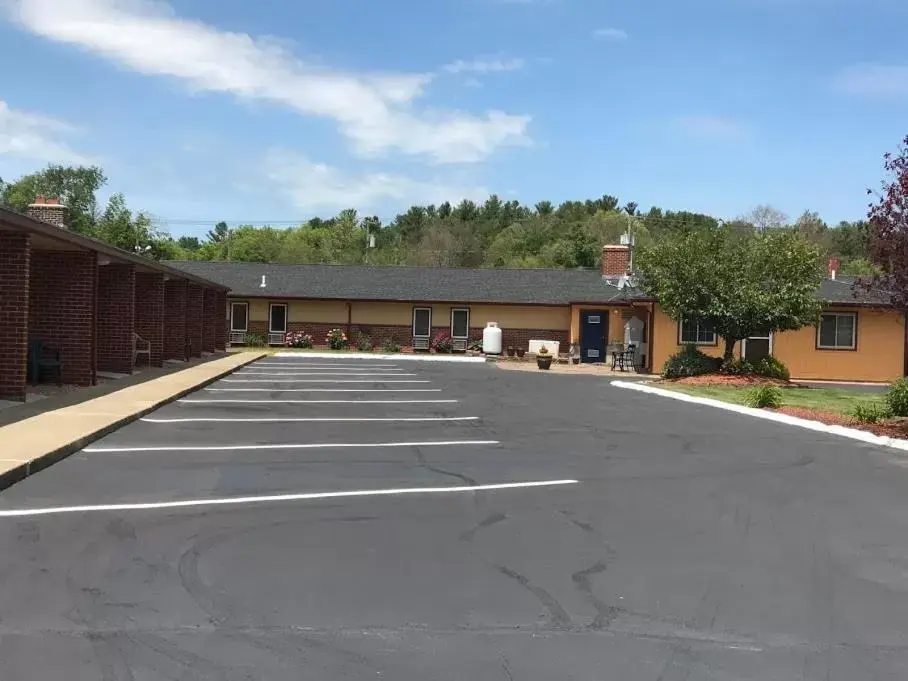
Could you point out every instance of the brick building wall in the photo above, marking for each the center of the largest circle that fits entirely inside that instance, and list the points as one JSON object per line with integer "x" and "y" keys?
{"x": 220, "y": 321}
{"x": 194, "y": 312}
{"x": 149, "y": 307}
{"x": 175, "y": 319}
{"x": 116, "y": 317}
{"x": 209, "y": 319}
{"x": 62, "y": 309}
{"x": 15, "y": 252}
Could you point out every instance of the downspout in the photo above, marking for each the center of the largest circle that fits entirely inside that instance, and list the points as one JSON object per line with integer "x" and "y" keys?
{"x": 94, "y": 324}
{"x": 349, "y": 317}
{"x": 650, "y": 336}
{"x": 905, "y": 344}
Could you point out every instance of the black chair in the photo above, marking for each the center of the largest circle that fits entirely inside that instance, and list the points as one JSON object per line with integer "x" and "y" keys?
{"x": 41, "y": 357}
{"x": 627, "y": 359}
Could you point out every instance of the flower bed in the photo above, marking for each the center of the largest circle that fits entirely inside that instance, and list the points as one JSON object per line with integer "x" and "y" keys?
{"x": 891, "y": 427}
{"x": 730, "y": 380}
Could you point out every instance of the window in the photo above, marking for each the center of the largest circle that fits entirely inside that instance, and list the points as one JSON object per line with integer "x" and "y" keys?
{"x": 239, "y": 316}
{"x": 422, "y": 322}
{"x": 838, "y": 331}
{"x": 697, "y": 331}
{"x": 277, "y": 316}
{"x": 460, "y": 322}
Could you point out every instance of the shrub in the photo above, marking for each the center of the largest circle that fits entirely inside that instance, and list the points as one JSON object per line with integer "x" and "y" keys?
{"x": 772, "y": 368}
{"x": 476, "y": 345}
{"x": 337, "y": 339}
{"x": 764, "y": 396}
{"x": 390, "y": 346}
{"x": 871, "y": 412}
{"x": 255, "y": 340}
{"x": 738, "y": 367}
{"x": 442, "y": 342}
{"x": 690, "y": 362}
{"x": 897, "y": 397}
{"x": 297, "y": 339}
{"x": 364, "y": 344}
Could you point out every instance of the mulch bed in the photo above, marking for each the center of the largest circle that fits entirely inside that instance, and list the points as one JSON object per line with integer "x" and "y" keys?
{"x": 731, "y": 381}
{"x": 890, "y": 427}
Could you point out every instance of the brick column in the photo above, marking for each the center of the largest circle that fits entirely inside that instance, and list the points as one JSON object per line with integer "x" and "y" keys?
{"x": 150, "y": 313}
{"x": 175, "y": 319}
{"x": 15, "y": 256}
{"x": 209, "y": 319}
{"x": 116, "y": 317}
{"x": 194, "y": 312}
{"x": 220, "y": 328}
{"x": 61, "y": 309}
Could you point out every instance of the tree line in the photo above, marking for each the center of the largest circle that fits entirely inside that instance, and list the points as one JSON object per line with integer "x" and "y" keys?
{"x": 493, "y": 233}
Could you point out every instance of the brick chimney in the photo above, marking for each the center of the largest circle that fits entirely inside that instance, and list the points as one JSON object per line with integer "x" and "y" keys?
{"x": 50, "y": 211}
{"x": 832, "y": 267}
{"x": 616, "y": 261}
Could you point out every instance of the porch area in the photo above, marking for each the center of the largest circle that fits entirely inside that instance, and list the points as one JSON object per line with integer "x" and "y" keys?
{"x": 74, "y": 310}
{"x": 616, "y": 336}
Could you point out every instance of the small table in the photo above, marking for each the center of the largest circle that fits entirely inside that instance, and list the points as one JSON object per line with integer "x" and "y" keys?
{"x": 624, "y": 358}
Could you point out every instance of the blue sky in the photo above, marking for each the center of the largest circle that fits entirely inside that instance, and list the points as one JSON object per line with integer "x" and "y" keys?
{"x": 277, "y": 110}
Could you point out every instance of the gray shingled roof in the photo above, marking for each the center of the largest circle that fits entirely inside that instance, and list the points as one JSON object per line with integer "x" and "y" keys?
{"x": 439, "y": 284}
{"x": 423, "y": 284}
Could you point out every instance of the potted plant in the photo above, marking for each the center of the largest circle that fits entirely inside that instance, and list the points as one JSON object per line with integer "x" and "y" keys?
{"x": 511, "y": 351}
{"x": 544, "y": 358}
{"x": 574, "y": 353}
{"x": 521, "y": 352}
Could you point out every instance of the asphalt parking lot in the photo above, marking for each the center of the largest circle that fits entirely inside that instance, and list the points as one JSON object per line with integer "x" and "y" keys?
{"x": 360, "y": 519}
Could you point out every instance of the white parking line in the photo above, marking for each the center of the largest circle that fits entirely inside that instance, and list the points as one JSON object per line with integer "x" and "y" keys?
{"x": 319, "y": 373}
{"x": 184, "y": 401}
{"x": 324, "y": 390}
{"x": 339, "y": 419}
{"x": 308, "y": 445}
{"x": 277, "y": 498}
{"x": 295, "y": 365}
{"x": 300, "y": 380}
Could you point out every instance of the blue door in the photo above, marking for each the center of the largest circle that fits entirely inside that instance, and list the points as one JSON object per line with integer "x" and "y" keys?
{"x": 593, "y": 330}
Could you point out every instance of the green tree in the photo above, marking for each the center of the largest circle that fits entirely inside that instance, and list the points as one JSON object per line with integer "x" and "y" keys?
{"x": 741, "y": 285}
{"x": 220, "y": 233}
{"x": 189, "y": 243}
{"x": 75, "y": 186}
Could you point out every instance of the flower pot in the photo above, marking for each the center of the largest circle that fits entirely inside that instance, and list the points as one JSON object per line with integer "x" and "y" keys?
{"x": 511, "y": 351}
{"x": 521, "y": 352}
{"x": 544, "y": 362}
{"x": 575, "y": 360}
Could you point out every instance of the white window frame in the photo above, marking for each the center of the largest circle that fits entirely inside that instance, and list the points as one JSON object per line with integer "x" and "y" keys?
{"x": 681, "y": 341}
{"x": 460, "y": 309}
{"x": 271, "y": 306}
{"x": 233, "y": 328}
{"x": 854, "y": 331}
{"x": 413, "y": 326}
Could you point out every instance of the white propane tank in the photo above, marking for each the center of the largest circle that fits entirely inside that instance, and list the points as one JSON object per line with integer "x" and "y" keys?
{"x": 491, "y": 339}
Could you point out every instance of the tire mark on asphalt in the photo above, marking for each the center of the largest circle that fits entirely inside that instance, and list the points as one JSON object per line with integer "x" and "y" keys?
{"x": 421, "y": 458}
{"x": 605, "y": 613}
{"x": 493, "y": 519}
{"x": 294, "y": 646}
{"x": 558, "y": 617}
{"x": 194, "y": 666}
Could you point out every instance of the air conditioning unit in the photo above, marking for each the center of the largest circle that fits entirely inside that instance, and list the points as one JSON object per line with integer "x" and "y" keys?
{"x": 420, "y": 343}
{"x": 237, "y": 337}
{"x": 275, "y": 339}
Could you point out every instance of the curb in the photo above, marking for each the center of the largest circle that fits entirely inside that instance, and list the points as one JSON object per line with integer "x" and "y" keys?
{"x": 841, "y": 431}
{"x": 19, "y": 473}
{"x": 407, "y": 357}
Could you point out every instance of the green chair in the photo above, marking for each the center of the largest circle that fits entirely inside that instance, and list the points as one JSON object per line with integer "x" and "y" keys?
{"x": 42, "y": 357}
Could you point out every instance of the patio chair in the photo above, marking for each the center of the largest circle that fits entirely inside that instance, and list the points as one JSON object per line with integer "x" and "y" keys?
{"x": 627, "y": 359}
{"x": 40, "y": 357}
{"x": 140, "y": 346}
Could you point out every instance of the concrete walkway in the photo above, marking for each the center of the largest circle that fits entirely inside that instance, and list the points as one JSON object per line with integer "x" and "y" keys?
{"x": 28, "y": 446}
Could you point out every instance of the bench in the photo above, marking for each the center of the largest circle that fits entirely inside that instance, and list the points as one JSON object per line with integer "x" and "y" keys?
{"x": 140, "y": 346}
{"x": 43, "y": 357}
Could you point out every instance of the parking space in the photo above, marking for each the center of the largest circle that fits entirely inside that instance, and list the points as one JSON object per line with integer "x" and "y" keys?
{"x": 267, "y": 527}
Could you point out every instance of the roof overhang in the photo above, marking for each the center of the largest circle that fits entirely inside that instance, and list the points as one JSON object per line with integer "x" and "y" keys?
{"x": 47, "y": 233}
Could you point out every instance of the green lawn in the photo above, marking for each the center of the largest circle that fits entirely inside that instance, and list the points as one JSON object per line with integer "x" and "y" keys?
{"x": 820, "y": 399}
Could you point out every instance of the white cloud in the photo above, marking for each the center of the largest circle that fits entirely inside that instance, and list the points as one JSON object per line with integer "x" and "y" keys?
{"x": 485, "y": 65}
{"x": 873, "y": 80}
{"x": 373, "y": 111}
{"x": 35, "y": 137}
{"x": 313, "y": 186}
{"x": 713, "y": 127}
{"x": 615, "y": 34}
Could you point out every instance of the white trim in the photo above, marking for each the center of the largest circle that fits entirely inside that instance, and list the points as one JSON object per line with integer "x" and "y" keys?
{"x": 277, "y": 498}
{"x": 852, "y": 433}
{"x": 413, "y": 325}
{"x": 405, "y": 357}
{"x": 460, "y": 309}
{"x": 854, "y": 331}
{"x": 271, "y": 306}
{"x": 246, "y": 328}
{"x": 681, "y": 341}
{"x": 771, "y": 338}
